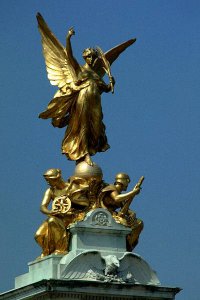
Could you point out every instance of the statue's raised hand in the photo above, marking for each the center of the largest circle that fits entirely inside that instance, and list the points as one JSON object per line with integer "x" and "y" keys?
{"x": 71, "y": 32}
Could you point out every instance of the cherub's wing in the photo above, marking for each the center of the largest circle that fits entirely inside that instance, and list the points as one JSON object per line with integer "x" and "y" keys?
{"x": 61, "y": 71}
{"x": 111, "y": 55}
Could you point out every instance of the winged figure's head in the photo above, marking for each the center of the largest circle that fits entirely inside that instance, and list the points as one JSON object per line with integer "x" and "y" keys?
{"x": 90, "y": 54}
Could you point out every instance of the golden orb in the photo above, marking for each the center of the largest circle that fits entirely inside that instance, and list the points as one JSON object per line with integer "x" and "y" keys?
{"x": 84, "y": 170}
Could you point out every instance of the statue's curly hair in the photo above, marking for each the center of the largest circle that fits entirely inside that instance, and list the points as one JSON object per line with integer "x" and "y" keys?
{"x": 88, "y": 51}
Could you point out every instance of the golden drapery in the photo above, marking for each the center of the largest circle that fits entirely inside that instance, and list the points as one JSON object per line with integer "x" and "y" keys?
{"x": 82, "y": 113}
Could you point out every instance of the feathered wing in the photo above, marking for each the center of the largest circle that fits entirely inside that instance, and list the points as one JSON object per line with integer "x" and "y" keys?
{"x": 142, "y": 273}
{"x": 61, "y": 71}
{"x": 84, "y": 264}
{"x": 111, "y": 55}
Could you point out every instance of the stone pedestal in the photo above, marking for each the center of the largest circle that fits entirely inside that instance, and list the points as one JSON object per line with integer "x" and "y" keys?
{"x": 97, "y": 267}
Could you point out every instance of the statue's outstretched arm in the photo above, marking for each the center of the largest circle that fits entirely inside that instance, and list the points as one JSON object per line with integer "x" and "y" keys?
{"x": 119, "y": 198}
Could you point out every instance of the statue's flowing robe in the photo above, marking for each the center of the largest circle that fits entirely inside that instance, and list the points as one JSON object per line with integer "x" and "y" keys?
{"x": 80, "y": 110}
{"x": 52, "y": 236}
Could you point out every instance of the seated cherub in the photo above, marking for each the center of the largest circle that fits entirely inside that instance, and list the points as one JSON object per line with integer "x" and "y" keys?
{"x": 112, "y": 199}
{"x": 69, "y": 204}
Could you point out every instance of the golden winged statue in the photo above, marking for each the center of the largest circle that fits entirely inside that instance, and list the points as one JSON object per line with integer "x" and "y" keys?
{"x": 77, "y": 103}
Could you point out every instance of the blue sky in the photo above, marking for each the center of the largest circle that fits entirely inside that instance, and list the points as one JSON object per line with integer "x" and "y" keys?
{"x": 152, "y": 125}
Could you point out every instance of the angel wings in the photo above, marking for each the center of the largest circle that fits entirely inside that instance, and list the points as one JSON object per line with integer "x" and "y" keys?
{"x": 79, "y": 93}
{"x": 61, "y": 69}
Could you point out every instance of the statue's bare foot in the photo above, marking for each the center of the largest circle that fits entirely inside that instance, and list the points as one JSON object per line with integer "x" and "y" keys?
{"x": 59, "y": 252}
{"x": 88, "y": 160}
{"x": 41, "y": 256}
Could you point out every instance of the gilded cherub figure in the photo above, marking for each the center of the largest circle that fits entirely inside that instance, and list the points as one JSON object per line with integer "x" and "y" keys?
{"x": 52, "y": 235}
{"x": 112, "y": 199}
{"x": 77, "y": 103}
{"x": 67, "y": 205}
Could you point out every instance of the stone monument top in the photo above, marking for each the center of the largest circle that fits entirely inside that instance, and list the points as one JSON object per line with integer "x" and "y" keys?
{"x": 90, "y": 231}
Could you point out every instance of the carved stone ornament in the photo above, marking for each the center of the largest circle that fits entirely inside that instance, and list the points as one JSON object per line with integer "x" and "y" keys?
{"x": 101, "y": 219}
